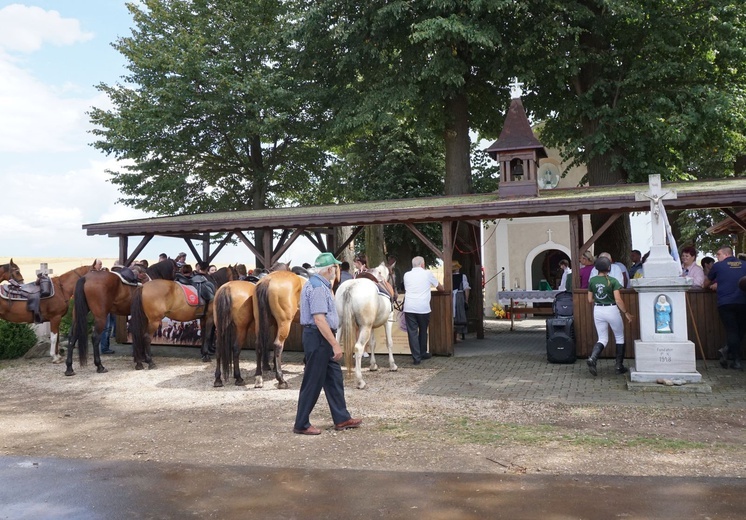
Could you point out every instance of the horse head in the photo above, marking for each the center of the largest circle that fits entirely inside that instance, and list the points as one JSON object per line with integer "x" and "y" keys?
{"x": 12, "y": 272}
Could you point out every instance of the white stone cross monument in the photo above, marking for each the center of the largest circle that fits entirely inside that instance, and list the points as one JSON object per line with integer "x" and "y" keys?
{"x": 663, "y": 350}
{"x": 43, "y": 269}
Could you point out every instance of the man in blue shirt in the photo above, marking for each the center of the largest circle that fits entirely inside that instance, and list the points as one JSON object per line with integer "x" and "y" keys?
{"x": 319, "y": 318}
{"x": 726, "y": 273}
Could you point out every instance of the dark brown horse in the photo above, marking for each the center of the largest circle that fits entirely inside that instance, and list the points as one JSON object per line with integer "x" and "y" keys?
{"x": 52, "y": 309}
{"x": 10, "y": 271}
{"x": 233, "y": 314}
{"x": 160, "y": 299}
{"x": 101, "y": 293}
{"x": 275, "y": 308}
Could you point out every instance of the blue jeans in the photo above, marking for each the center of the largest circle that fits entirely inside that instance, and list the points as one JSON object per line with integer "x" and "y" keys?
{"x": 111, "y": 322}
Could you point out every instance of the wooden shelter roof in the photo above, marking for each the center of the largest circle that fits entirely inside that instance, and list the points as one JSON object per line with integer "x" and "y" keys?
{"x": 569, "y": 201}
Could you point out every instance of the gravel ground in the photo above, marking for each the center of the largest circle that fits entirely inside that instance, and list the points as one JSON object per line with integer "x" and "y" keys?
{"x": 173, "y": 414}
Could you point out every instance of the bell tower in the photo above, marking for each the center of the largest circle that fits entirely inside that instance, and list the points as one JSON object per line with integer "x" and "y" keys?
{"x": 518, "y": 151}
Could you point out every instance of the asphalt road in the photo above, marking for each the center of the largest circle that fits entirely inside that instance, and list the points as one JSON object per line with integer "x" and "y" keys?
{"x": 90, "y": 490}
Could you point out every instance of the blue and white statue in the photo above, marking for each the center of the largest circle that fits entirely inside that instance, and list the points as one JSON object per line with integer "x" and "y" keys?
{"x": 662, "y": 315}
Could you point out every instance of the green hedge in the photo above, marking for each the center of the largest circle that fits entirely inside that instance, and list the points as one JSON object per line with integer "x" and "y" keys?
{"x": 15, "y": 339}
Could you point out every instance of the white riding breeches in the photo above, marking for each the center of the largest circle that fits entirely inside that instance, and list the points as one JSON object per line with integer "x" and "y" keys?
{"x": 605, "y": 317}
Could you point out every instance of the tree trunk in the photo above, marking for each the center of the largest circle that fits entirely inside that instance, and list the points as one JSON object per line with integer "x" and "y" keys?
{"x": 457, "y": 144}
{"x": 374, "y": 245}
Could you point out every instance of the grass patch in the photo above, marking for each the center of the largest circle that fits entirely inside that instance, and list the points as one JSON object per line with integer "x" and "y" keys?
{"x": 466, "y": 431}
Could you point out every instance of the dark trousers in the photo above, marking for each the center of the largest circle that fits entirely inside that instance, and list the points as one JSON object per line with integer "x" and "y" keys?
{"x": 733, "y": 317}
{"x": 111, "y": 322}
{"x": 417, "y": 333}
{"x": 321, "y": 372}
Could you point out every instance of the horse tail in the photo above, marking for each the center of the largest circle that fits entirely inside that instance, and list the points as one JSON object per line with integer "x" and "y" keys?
{"x": 226, "y": 329}
{"x": 347, "y": 323}
{"x": 264, "y": 320}
{"x": 138, "y": 325}
{"x": 79, "y": 326}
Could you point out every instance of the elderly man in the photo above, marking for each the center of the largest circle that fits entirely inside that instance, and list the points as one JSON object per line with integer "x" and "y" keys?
{"x": 615, "y": 272}
{"x": 318, "y": 316}
{"x": 417, "y": 285}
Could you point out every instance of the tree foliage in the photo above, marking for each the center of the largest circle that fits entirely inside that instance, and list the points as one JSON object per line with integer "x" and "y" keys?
{"x": 210, "y": 116}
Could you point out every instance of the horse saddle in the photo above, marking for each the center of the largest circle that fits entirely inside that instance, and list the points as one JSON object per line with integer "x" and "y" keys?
{"x": 127, "y": 275}
{"x": 32, "y": 293}
{"x": 191, "y": 295}
{"x": 384, "y": 288}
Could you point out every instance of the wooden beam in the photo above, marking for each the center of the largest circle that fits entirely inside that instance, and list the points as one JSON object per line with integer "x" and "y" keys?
{"x": 598, "y": 233}
{"x": 355, "y": 232}
{"x": 222, "y": 244}
{"x": 193, "y": 249}
{"x": 312, "y": 239}
{"x": 426, "y": 240}
{"x": 128, "y": 260}
{"x": 123, "y": 241}
{"x": 267, "y": 246}
{"x": 734, "y": 217}
{"x": 247, "y": 242}
{"x": 288, "y": 242}
{"x": 575, "y": 237}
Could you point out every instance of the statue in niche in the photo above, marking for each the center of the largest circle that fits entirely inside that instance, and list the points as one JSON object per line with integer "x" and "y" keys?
{"x": 662, "y": 315}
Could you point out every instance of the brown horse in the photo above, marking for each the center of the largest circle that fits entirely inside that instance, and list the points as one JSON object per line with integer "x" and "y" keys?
{"x": 160, "y": 299}
{"x": 233, "y": 313}
{"x": 52, "y": 308}
{"x": 101, "y": 293}
{"x": 10, "y": 271}
{"x": 275, "y": 308}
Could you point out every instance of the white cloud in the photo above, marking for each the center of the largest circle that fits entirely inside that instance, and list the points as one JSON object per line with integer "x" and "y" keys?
{"x": 27, "y": 28}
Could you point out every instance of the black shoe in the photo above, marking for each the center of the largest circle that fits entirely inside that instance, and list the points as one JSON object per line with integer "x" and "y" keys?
{"x": 620, "y": 370}
{"x": 108, "y": 352}
{"x": 415, "y": 362}
{"x": 426, "y": 355}
{"x": 463, "y": 336}
{"x": 723, "y": 360}
{"x": 592, "y": 366}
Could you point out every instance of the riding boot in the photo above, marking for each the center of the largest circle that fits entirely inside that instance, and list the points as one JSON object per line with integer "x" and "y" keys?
{"x": 597, "y": 348}
{"x": 619, "y": 367}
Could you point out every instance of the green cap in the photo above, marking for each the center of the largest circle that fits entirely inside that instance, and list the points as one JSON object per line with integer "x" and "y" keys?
{"x": 325, "y": 260}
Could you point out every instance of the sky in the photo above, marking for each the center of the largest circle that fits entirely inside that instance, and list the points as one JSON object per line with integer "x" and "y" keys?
{"x": 52, "y": 181}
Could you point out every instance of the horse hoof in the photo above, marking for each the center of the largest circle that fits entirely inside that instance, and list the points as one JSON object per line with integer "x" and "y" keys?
{"x": 139, "y": 366}
{"x": 206, "y": 359}
{"x": 57, "y": 360}
{"x": 101, "y": 369}
{"x": 151, "y": 366}
{"x": 282, "y": 385}
{"x": 374, "y": 368}
{"x": 393, "y": 368}
{"x": 361, "y": 385}
{"x": 240, "y": 382}
{"x": 69, "y": 372}
{"x": 218, "y": 384}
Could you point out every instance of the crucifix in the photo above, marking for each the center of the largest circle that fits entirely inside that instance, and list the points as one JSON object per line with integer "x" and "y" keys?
{"x": 549, "y": 232}
{"x": 515, "y": 89}
{"x": 656, "y": 196}
{"x": 43, "y": 270}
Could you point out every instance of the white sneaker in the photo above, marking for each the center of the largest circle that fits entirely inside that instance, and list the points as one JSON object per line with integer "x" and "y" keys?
{"x": 365, "y": 355}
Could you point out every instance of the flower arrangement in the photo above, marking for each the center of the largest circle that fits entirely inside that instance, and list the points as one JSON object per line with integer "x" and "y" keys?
{"x": 498, "y": 310}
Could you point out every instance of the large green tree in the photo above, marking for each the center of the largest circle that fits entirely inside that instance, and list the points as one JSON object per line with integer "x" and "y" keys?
{"x": 210, "y": 116}
{"x": 635, "y": 87}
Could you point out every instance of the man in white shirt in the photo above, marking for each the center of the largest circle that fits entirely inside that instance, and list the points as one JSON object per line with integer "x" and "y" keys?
{"x": 417, "y": 287}
{"x": 615, "y": 272}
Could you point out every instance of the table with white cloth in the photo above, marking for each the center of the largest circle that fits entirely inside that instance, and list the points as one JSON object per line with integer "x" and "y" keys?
{"x": 510, "y": 298}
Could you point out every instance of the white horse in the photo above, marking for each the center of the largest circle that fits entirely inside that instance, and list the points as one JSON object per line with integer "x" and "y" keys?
{"x": 361, "y": 306}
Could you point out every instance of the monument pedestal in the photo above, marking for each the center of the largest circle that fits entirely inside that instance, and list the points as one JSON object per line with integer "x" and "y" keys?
{"x": 671, "y": 360}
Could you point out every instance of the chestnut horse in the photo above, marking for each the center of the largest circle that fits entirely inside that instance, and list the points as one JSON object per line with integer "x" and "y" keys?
{"x": 160, "y": 299}
{"x": 101, "y": 293}
{"x": 52, "y": 308}
{"x": 362, "y": 308}
{"x": 10, "y": 272}
{"x": 275, "y": 308}
{"x": 233, "y": 313}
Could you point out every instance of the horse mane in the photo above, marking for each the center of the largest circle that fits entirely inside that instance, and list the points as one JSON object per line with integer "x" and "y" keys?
{"x": 280, "y": 266}
{"x": 164, "y": 269}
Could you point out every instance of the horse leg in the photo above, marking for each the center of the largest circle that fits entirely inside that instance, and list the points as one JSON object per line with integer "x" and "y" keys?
{"x": 390, "y": 346}
{"x": 97, "y": 333}
{"x": 54, "y": 347}
{"x": 240, "y": 339}
{"x": 283, "y": 331}
{"x": 362, "y": 339}
{"x": 372, "y": 345}
{"x": 258, "y": 379}
{"x": 69, "y": 360}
